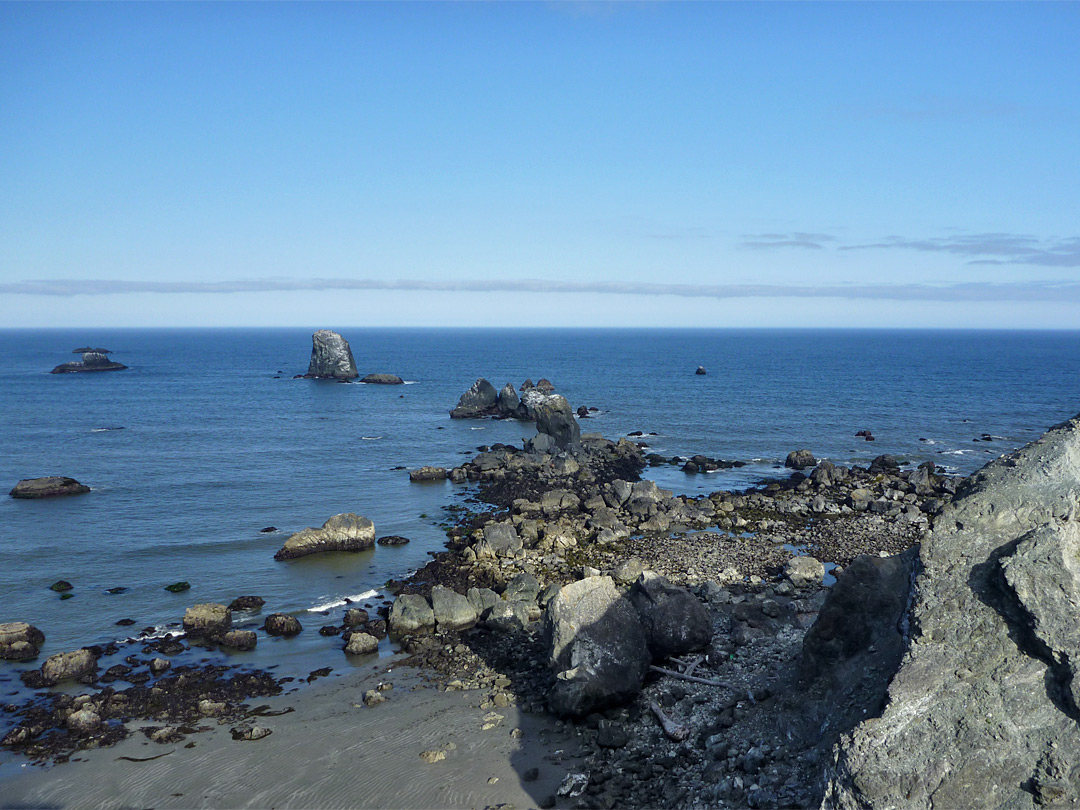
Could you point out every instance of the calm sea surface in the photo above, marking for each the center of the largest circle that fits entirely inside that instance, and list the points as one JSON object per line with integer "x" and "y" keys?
{"x": 219, "y": 442}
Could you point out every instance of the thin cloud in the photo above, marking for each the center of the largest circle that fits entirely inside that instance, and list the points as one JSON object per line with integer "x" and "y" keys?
{"x": 969, "y": 292}
{"x": 990, "y": 248}
{"x": 796, "y": 239}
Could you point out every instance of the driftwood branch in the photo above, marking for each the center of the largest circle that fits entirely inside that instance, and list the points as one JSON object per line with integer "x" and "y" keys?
{"x": 693, "y": 678}
{"x": 688, "y": 666}
{"x": 675, "y": 731}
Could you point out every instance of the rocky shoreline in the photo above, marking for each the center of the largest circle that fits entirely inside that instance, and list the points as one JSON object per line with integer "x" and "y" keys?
{"x": 720, "y": 650}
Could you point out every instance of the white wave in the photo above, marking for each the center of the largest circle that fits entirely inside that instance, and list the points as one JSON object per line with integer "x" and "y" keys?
{"x": 956, "y": 452}
{"x": 341, "y": 601}
{"x": 104, "y": 429}
{"x": 159, "y": 631}
{"x": 370, "y": 438}
{"x": 477, "y": 428}
{"x": 410, "y": 382}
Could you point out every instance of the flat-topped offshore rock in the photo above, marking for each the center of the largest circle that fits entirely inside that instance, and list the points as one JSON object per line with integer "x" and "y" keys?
{"x": 383, "y": 379}
{"x": 345, "y": 532}
{"x": 331, "y": 357}
{"x": 93, "y": 360}
{"x": 49, "y": 487}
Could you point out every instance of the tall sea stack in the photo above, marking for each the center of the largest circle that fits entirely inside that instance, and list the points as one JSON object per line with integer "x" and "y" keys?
{"x": 331, "y": 357}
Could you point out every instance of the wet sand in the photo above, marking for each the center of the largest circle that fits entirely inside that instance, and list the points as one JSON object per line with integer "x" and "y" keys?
{"x": 330, "y": 752}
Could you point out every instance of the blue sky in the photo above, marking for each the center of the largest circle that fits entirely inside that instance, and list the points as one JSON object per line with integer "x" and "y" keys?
{"x": 700, "y": 164}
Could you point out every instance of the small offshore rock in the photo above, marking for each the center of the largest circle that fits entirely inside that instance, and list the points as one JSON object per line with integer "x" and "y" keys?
{"x": 48, "y": 487}
{"x": 392, "y": 540}
{"x": 20, "y": 641}
{"x": 178, "y": 587}
{"x": 361, "y": 644}
{"x": 208, "y": 620}
{"x": 247, "y": 603}
{"x": 281, "y": 624}
{"x": 344, "y": 532}
{"x": 240, "y": 639}
{"x": 383, "y": 379}
{"x": 61, "y": 585}
{"x": 427, "y": 474}
{"x": 701, "y": 371}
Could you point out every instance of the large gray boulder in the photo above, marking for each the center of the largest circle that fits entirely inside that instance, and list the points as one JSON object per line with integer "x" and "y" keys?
{"x": 596, "y": 643}
{"x": 480, "y": 400}
{"x": 411, "y": 613}
{"x": 673, "y": 619}
{"x": 452, "y": 611}
{"x": 982, "y": 711}
{"x": 331, "y": 357}
{"x": 47, "y": 487}
{"x": 500, "y": 540}
{"x": 555, "y": 417}
{"x": 344, "y": 532}
{"x": 20, "y": 641}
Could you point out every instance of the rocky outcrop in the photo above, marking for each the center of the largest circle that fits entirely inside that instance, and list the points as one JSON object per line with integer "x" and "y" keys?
{"x": 451, "y": 610}
{"x": 345, "y": 532}
{"x": 596, "y": 644}
{"x": 509, "y": 402}
{"x": 427, "y": 474}
{"x": 555, "y": 418}
{"x": 92, "y": 360}
{"x": 48, "y": 487}
{"x": 282, "y": 624}
{"x": 383, "y": 379}
{"x": 331, "y": 357}
{"x": 983, "y": 710}
{"x": 20, "y": 641}
{"x": 480, "y": 400}
{"x": 80, "y": 665}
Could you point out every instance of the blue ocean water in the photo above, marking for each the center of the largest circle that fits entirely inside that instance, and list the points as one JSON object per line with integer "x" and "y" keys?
{"x": 218, "y": 442}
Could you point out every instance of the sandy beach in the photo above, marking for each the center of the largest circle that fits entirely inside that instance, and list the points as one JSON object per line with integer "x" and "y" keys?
{"x": 331, "y": 751}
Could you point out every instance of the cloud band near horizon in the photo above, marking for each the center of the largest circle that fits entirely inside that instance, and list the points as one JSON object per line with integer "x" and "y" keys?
{"x": 966, "y": 292}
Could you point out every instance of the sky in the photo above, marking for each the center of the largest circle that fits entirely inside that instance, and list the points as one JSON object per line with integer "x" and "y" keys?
{"x": 540, "y": 164}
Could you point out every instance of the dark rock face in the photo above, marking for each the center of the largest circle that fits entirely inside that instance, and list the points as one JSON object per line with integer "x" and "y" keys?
{"x": 20, "y": 641}
{"x": 800, "y": 459}
{"x": 383, "y": 379}
{"x": 555, "y": 418}
{"x": 93, "y": 360}
{"x": 884, "y": 464}
{"x": 701, "y": 371}
{"x": 247, "y": 603}
{"x": 596, "y": 642}
{"x": 392, "y": 540}
{"x": 48, "y": 487}
{"x": 331, "y": 357}
{"x": 480, "y": 400}
{"x": 673, "y": 619}
{"x": 983, "y": 708}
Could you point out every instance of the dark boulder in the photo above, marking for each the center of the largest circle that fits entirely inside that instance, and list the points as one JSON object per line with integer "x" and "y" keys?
{"x": 392, "y": 540}
{"x": 509, "y": 402}
{"x": 95, "y": 360}
{"x": 480, "y": 400}
{"x": 674, "y": 620}
{"x": 884, "y": 464}
{"x": 247, "y": 603}
{"x": 281, "y": 624}
{"x": 701, "y": 371}
{"x": 48, "y": 487}
{"x": 383, "y": 379}
{"x": 331, "y": 357}
{"x": 800, "y": 459}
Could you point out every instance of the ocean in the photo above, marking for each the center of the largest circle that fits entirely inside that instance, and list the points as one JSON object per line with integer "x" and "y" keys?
{"x": 206, "y": 439}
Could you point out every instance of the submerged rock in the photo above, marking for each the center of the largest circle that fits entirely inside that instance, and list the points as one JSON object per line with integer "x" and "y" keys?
{"x": 331, "y": 357}
{"x": 983, "y": 709}
{"x": 344, "y": 532}
{"x": 48, "y": 487}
